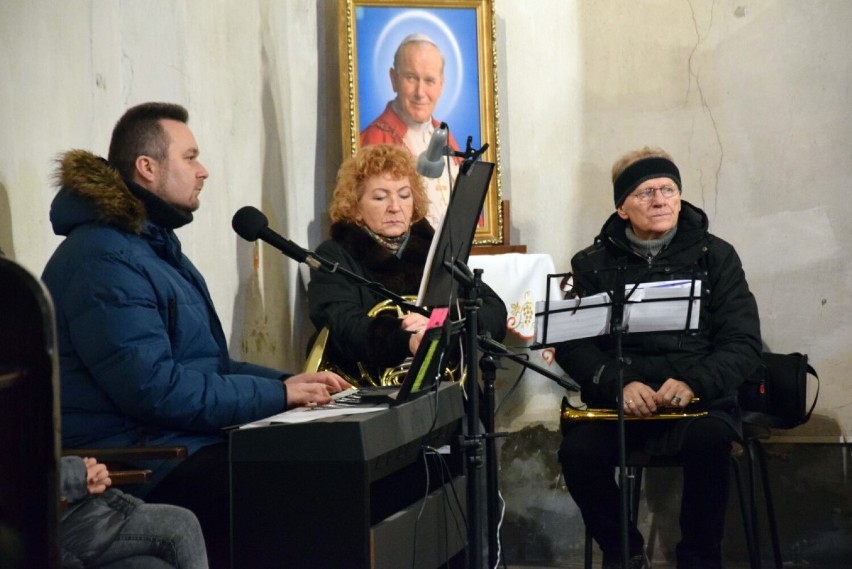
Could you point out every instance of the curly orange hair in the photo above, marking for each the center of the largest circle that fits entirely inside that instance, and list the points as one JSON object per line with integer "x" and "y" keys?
{"x": 368, "y": 162}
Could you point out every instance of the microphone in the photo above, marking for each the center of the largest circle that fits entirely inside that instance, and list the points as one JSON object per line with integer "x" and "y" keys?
{"x": 251, "y": 224}
{"x": 486, "y": 344}
{"x": 431, "y": 162}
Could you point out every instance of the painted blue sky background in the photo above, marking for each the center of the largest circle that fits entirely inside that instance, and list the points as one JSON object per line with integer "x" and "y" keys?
{"x": 380, "y": 29}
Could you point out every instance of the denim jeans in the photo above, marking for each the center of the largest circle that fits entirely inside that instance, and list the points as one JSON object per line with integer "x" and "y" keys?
{"x": 201, "y": 484}
{"x": 157, "y": 536}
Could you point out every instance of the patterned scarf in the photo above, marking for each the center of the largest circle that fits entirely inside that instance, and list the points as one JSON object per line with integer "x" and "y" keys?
{"x": 394, "y": 244}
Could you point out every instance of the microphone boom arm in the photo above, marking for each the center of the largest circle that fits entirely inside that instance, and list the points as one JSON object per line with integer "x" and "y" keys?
{"x": 319, "y": 263}
{"x": 251, "y": 224}
{"x": 499, "y": 350}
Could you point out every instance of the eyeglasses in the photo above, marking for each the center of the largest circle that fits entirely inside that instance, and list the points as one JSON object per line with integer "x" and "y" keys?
{"x": 646, "y": 195}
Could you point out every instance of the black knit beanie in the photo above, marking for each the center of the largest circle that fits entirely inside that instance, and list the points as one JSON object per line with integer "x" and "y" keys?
{"x": 641, "y": 170}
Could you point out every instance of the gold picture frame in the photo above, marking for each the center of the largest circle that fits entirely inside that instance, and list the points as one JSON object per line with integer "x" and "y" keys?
{"x": 459, "y": 28}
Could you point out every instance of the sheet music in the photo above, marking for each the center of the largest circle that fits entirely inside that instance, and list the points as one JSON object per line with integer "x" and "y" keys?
{"x": 650, "y": 307}
{"x": 566, "y": 320}
{"x": 305, "y": 414}
{"x": 660, "y": 306}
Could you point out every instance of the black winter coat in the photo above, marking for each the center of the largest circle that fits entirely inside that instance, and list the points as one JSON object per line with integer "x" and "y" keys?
{"x": 378, "y": 342}
{"x": 713, "y": 361}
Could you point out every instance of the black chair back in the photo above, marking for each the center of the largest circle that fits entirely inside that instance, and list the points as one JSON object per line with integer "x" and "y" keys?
{"x": 29, "y": 422}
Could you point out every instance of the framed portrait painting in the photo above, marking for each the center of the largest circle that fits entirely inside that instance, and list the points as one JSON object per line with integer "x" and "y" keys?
{"x": 408, "y": 66}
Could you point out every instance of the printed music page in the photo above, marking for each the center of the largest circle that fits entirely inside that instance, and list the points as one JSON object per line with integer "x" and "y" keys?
{"x": 650, "y": 307}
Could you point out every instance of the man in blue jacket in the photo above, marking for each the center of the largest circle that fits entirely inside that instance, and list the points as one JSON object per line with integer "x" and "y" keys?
{"x": 143, "y": 357}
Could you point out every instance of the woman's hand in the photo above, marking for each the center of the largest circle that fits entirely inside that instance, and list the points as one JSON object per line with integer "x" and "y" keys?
{"x": 415, "y": 323}
{"x": 414, "y": 340}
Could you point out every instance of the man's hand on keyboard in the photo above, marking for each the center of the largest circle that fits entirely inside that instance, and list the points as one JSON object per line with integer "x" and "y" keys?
{"x": 313, "y": 388}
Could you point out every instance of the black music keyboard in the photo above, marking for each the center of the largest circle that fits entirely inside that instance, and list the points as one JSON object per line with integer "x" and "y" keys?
{"x": 320, "y": 494}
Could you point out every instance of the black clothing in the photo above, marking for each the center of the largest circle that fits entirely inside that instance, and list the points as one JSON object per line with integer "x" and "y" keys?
{"x": 342, "y": 305}
{"x": 713, "y": 361}
{"x": 589, "y": 453}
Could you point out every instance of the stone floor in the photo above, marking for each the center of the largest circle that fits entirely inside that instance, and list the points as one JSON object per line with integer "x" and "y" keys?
{"x": 579, "y": 565}
{"x": 662, "y": 564}
{"x": 811, "y": 485}
{"x": 655, "y": 564}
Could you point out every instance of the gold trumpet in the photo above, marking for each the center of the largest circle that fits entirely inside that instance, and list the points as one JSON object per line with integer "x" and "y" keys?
{"x": 570, "y": 413}
{"x": 318, "y": 361}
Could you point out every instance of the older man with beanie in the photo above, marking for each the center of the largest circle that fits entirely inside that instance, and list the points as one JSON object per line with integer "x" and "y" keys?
{"x": 654, "y": 235}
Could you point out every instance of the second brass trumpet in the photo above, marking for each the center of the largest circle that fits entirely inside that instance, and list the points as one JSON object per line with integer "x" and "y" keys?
{"x": 569, "y": 413}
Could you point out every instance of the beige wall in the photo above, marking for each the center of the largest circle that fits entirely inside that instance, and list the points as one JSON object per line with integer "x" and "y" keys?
{"x": 751, "y": 98}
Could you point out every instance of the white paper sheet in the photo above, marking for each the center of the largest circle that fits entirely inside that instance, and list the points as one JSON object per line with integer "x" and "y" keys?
{"x": 305, "y": 414}
{"x": 651, "y": 307}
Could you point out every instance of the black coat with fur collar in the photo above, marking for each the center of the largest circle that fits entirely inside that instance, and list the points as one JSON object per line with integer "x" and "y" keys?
{"x": 342, "y": 306}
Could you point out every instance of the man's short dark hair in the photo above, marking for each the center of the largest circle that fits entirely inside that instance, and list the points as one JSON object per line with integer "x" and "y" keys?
{"x": 139, "y": 133}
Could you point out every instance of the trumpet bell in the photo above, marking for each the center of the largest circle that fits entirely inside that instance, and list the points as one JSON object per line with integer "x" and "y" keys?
{"x": 317, "y": 360}
{"x": 314, "y": 362}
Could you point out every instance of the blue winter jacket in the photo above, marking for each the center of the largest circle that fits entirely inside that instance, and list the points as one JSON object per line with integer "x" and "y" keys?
{"x": 143, "y": 357}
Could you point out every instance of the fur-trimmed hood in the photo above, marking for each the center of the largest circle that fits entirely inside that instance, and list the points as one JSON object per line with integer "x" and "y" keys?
{"x": 92, "y": 191}
{"x": 400, "y": 274}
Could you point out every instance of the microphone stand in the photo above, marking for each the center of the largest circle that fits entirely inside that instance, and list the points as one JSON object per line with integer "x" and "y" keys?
{"x": 488, "y": 366}
{"x": 469, "y": 156}
{"x": 488, "y": 372}
{"x": 473, "y": 441}
{"x": 494, "y": 348}
{"x": 618, "y": 329}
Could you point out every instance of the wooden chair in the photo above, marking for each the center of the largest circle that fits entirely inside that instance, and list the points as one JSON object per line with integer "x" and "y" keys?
{"x": 117, "y": 460}
{"x": 29, "y": 408}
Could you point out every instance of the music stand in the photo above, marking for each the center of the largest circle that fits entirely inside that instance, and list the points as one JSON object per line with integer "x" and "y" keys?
{"x": 454, "y": 236}
{"x": 445, "y": 270}
{"x": 674, "y": 307}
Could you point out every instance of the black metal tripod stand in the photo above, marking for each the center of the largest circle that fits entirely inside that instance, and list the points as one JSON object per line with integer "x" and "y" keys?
{"x": 481, "y": 436}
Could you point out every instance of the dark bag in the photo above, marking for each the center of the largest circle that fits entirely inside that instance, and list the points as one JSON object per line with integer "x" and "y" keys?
{"x": 776, "y": 395}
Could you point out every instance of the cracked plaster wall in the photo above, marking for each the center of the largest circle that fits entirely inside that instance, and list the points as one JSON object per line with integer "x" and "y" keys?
{"x": 751, "y": 97}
